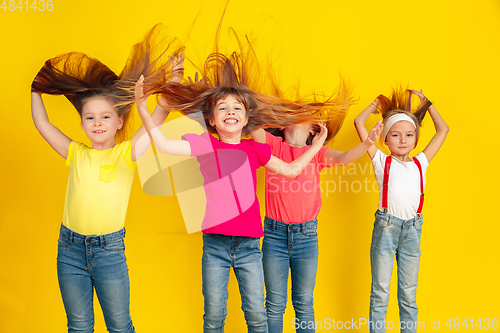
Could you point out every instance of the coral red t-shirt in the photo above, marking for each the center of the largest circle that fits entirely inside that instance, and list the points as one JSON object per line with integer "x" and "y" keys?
{"x": 230, "y": 182}
{"x": 293, "y": 200}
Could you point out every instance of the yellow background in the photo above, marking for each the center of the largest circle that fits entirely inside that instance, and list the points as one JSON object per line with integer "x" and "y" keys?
{"x": 448, "y": 48}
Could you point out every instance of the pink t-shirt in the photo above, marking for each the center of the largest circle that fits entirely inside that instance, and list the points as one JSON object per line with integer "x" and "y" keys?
{"x": 293, "y": 200}
{"x": 230, "y": 182}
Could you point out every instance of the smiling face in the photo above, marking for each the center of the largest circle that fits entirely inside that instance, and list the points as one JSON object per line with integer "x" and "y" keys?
{"x": 100, "y": 122}
{"x": 229, "y": 117}
{"x": 401, "y": 139}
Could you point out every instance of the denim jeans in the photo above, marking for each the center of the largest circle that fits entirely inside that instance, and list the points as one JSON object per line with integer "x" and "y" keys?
{"x": 392, "y": 235}
{"x": 291, "y": 247}
{"x": 243, "y": 254}
{"x": 88, "y": 262}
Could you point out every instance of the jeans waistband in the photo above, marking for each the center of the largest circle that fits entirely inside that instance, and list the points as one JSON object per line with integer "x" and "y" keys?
{"x": 391, "y": 219}
{"x": 285, "y": 226}
{"x": 73, "y": 236}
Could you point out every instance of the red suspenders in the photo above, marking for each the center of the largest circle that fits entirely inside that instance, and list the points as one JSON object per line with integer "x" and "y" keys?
{"x": 385, "y": 184}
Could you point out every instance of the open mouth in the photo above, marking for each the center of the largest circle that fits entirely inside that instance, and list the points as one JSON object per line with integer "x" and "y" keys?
{"x": 98, "y": 132}
{"x": 230, "y": 121}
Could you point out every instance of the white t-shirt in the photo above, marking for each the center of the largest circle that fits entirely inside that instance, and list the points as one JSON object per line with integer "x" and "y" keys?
{"x": 403, "y": 197}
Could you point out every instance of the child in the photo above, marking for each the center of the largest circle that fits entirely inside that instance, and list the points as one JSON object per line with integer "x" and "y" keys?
{"x": 91, "y": 248}
{"x": 292, "y": 206}
{"x": 398, "y": 220}
{"x": 229, "y": 107}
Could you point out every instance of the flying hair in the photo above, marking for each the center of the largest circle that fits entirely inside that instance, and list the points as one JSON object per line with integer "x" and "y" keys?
{"x": 79, "y": 77}
{"x": 239, "y": 74}
{"x": 400, "y": 102}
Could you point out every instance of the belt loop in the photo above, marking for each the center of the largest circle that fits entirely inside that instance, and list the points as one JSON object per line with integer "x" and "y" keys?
{"x": 389, "y": 222}
{"x": 71, "y": 236}
{"x": 101, "y": 240}
{"x": 273, "y": 225}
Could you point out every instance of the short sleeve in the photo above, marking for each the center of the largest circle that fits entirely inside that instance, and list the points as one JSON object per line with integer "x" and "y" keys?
{"x": 264, "y": 153}
{"x": 320, "y": 157}
{"x": 73, "y": 146}
{"x": 272, "y": 140}
{"x": 200, "y": 144}
{"x": 127, "y": 155}
{"x": 379, "y": 157}
{"x": 422, "y": 159}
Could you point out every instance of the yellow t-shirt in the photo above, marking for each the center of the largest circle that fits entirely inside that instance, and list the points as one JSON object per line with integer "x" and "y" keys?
{"x": 98, "y": 188}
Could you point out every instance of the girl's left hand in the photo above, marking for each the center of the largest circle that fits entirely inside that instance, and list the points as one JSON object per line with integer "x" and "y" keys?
{"x": 420, "y": 94}
{"x": 320, "y": 137}
{"x": 140, "y": 97}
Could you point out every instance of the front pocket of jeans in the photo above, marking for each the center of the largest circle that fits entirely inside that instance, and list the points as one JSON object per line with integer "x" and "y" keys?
{"x": 418, "y": 226}
{"x": 309, "y": 232}
{"x": 268, "y": 228}
{"x": 107, "y": 172}
{"x": 63, "y": 241}
{"x": 118, "y": 245}
{"x": 381, "y": 223}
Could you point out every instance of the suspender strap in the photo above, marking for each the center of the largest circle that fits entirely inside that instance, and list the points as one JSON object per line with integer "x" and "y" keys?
{"x": 385, "y": 184}
{"x": 419, "y": 210}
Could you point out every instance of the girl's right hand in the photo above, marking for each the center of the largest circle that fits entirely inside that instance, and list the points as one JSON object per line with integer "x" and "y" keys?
{"x": 177, "y": 67}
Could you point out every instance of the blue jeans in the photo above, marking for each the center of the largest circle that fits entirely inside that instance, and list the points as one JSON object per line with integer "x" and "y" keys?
{"x": 88, "y": 262}
{"x": 220, "y": 253}
{"x": 291, "y": 247}
{"x": 392, "y": 235}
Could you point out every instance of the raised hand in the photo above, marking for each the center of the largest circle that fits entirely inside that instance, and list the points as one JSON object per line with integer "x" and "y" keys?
{"x": 374, "y": 134}
{"x": 140, "y": 97}
{"x": 177, "y": 67}
{"x": 374, "y": 106}
{"x": 319, "y": 138}
{"x": 420, "y": 94}
{"x": 196, "y": 79}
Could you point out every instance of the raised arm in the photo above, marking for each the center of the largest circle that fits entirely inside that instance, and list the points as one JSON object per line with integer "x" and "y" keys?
{"x": 160, "y": 113}
{"x": 360, "y": 121}
{"x": 441, "y": 127}
{"x": 294, "y": 168}
{"x": 162, "y": 144}
{"x": 335, "y": 157}
{"x": 54, "y": 137}
{"x": 259, "y": 135}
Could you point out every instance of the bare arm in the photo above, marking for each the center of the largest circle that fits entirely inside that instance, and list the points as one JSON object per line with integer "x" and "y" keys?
{"x": 160, "y": 113}
{"x": 441, "y": 127}
{"x": 54, "y": 137}
{"x": 360, "y": 121}
{"x": 162, "y": 144}
{"x": 335, "y": 157}
{"x": 294, "y": 168}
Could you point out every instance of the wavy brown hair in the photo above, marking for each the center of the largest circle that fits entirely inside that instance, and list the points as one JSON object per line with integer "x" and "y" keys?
{"x": 400, "y": 102}
{"x": 79, "y": 77}
{"x": 238, "y": 74}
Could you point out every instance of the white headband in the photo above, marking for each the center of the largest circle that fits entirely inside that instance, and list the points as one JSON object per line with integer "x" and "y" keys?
{"x": 392, "y": 120}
